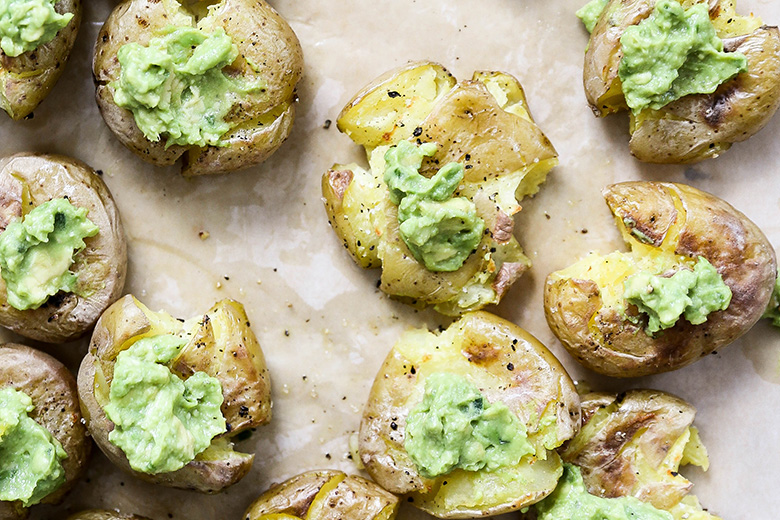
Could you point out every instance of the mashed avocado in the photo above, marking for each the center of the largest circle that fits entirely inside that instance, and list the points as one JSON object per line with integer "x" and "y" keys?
{"x": 673, "y": 53}
{"x": 26, "y": 24}
{"x": 439, "y": 230}
{"x": 36, "y": 252}
{"x": 773, "y": 309}
{"x": 30, "y": 457}
{"x": 162, "y": 422}
{"x": 175, "y": 86}
{"x": 571, "y": 501}
{"x": 456, "y": 427}
{"x": 690, "y": 293}
{"x": 590, "y": 13}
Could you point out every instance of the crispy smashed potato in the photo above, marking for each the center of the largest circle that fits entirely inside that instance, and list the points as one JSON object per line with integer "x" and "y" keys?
{"x": 699, "y": 126}
{"x": 668, "y": 227}
{"x": 268, "y": 52}
{"x": 508, "y": 366}
{"x": 221, "y": 344}
{"x": 485, "y": 125}
{"x": 633, "y": 444}
{"x": 52, "y": 389}
{"x": 324, "y": 495}
{"x": 25, "y": 80}
{"x": 29, "y": 180}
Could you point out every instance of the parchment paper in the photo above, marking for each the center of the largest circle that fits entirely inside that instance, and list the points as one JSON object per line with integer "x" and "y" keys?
{"x": 323, "y": 325}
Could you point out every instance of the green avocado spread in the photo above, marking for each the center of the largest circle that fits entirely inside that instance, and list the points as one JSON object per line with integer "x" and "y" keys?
{"x": 36, "y": 252}
{"x": 456, "y": 427}
{"x": 440, "y": 230}
{"x": 571, "y": 501}
{"x": 773, "y": 309}
{"x": 176, "y": 88}
{"x": 30, "y": 466}
{"x": 673, "y": 53}
{"x": 161, "y": 421}
{"x": 26, "y": 24}
{"x": 689, "y": 293}
{"x": 591, "y": 12}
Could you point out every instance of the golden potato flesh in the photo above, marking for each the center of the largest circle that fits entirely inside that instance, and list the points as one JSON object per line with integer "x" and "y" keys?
{"x": 28, "y": 180}
{"x": 633, "y": 444}
{"x": 52, "y": 389}
{"x": 324, "y": 495}
{"x": 695, "y": 127}
{"x": 667, "y": 226}
{"x": 25, "y": 80}
{"x": 268, "y": 49}
{"x": 508, "y": 365}
{"x": 483, "y": 123}
{"x": 221, "y": 344}
{"x": 95, "y": 514}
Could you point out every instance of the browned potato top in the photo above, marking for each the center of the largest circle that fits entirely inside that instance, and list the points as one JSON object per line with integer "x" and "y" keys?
{"x": 28, "y": 180}
{"x": 324, "y": 495}
{"x": 52, "y": 389}
{"x": 669, "y": 225}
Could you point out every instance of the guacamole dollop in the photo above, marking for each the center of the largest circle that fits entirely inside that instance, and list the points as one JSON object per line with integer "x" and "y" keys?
{"x": 27, "y": 24}
{"x": 36, "y": 252}
{"x": 161, "y": 421}
{"x": 30, "y": 466}
{"x": 571, "y": 501}
{"x": 440, "y": 230}
{"x": 591, "y": 12}
{"x": 773, "y": 309}
{"x": 693, "y": 294}
{"x": 456, "y": 427}
{"x": 673, "y": 53}
{"x": 176, "y": 88}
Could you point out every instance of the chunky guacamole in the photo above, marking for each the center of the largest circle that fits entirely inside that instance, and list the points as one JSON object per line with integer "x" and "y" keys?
{"x": 161, "y": 421}
{"x": 773, "y": 309}
{"x": 571, "y": 501}
{"x": 440, "y": 230}
{"x": 27, "y": 24}
{"x": 591, "y": 12}
{"x": 456, "y": 427}
{"x": 673, "y": 53}
{"x": 36, "y": 252}
{"x": 693, "y": 294}
{"x": 176, "y": 88}
{"x": 30, "y": 458}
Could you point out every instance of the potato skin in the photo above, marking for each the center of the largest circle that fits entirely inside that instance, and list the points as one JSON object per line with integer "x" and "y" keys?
{"x": 99, "y": 514}
{"x": 232, "y": 355}
{"x": 28, "y": 78}
{"x": 260, "y": 122}
{"x": 699, "y": 224}
{"x": 52, "y": 389}
{"x": 490, "y": 345}
{"x": 28, "y": 180}
{"x": 352, "y": 497}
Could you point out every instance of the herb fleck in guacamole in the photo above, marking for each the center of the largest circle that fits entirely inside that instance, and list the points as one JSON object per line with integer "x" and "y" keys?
{"x": 571, "y": 501}
{"x": 176, "y": 88}
{"x": 456, "y": 427}
{"x": 36, "y": 252}
{"x": 673, "y": 53}
{"x": 439, "y": 230}
{"x": 27, "y": 24}
{"x": 689, "y": 293}
{"x": 30, "y": 457}
{"x": 161, "y": 421}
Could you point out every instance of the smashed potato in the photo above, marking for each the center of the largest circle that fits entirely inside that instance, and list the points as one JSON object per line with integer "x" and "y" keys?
{"x": 52, "y": 390}
{"x": 633, "y": 444}
{"x": 30, "y": 180}
{"x": 669, "y": 228}
{"x": 324, "y": 495}
{"x": 481, "y": 127}
{"x": 696, "y": 126}
{"x": 219, "y": 344}
{"x": 511, "y": 372}
{"x": 26, "y": 79}
{"x": 266, "y": 68}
